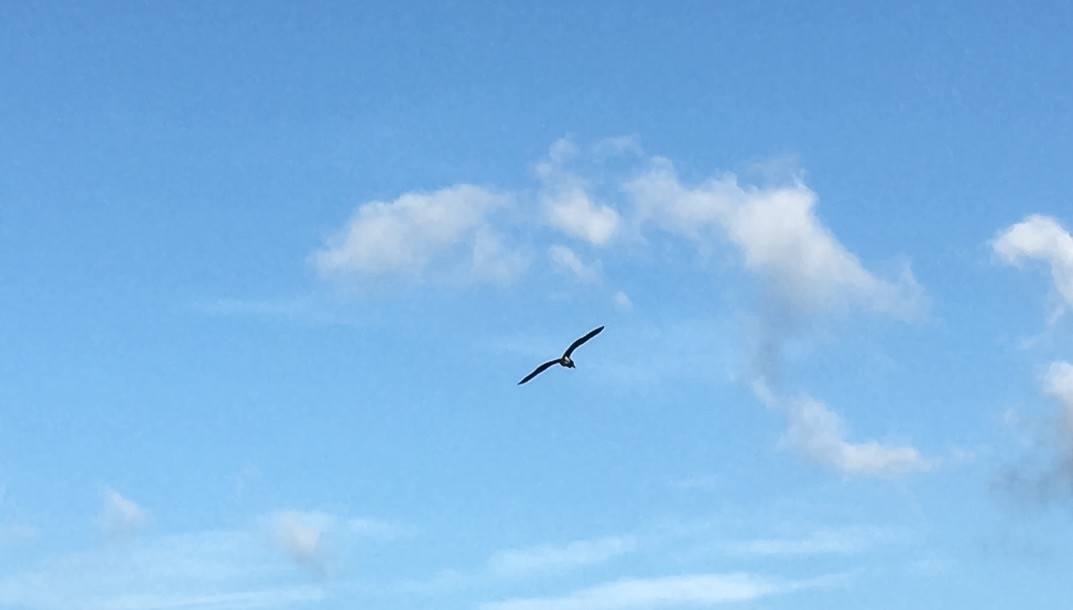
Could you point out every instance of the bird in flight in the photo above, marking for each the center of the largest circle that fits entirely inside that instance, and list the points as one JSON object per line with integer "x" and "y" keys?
{"x": 565, "y": 360}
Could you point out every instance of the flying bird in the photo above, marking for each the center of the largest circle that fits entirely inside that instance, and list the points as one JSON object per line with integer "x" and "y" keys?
{"x": 565, "y": 360}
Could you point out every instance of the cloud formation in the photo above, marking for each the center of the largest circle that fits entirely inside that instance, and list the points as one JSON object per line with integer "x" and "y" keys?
{"x": 456, "y": 230}
{"x": 806, "y": 272}
{"x": 443, "y": 234}
{"x": 300, "y": 535}
{"x": 820, "y": 435}
{"x": 199, "y": 570}
{"x": 568, "y": 261}
{"x": 550, "y": 559}
{"x": 309, "y": 538}
{"x": 1049, "y": 479}
{"x": 527, "y": 563}
{"x": 567, "y": 202}
{"x": 575, "y": 214}
{"x": 1058, "y": 382}
{"x": 778, "y": 234}
{"x": 121, "y": 516}
{"x": 803, "y": 268}
{"x": 845, "y": 541}
{"x": 1044, "y": 239}
{"x": 652, "y": 593}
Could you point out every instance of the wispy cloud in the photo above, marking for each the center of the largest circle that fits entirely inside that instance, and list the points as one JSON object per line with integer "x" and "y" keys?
{"x": 310, "y": 538}
{"x": 567, "y": 203}
{"x": 300, "y": 535}
{"x": 551, "y": 559}
{"x": 121, "y": 516}
{"x": 778, "y": 235}
{"x": 652, "y": 593}
{"x": 774, "y": 228}
{"x": 519, "y": 564}
{"x": 613, "y": 188}
{"x": 1044, "y": 239}
{"x": 568, "y": 261}
{"x": 212, "y": 569}
{"x": 820, "y": 435}
{"x": 1058, "y": 382}
{"x": 445, "y": 234}
{"x": 806, "y": 272}
{"x": 280, "y": 597}
{"x": 1050, "y": 478}
{"x": 846, "y": 541}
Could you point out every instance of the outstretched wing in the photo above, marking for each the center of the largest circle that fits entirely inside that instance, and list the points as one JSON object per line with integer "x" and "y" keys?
{"x": 540, "y": 369}
{"x": 577, "y": 344}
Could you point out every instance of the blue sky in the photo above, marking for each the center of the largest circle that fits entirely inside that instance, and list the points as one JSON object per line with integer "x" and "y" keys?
{"x": 271, "y": 273}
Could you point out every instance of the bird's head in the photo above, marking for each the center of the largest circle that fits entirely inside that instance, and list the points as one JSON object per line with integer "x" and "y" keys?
{"x": 567, "y": 362}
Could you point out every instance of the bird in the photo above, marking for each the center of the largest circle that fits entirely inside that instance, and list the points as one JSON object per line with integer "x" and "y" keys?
{"x": 565, "y": 360}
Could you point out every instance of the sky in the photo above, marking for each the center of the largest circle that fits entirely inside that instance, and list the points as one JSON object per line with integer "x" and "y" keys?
{"x": 271, "y": 273}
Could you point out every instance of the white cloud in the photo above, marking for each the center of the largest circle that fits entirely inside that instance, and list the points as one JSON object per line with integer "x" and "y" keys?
{"x": 566, "y": 259}
{"x": 651, "y": 593}
{"x": 622, "y": 301}
{"x": 310, "y": 537}
{"x": 492, "y": 261}
{"x": 441, "y": 233}
{"x": 778, "y": 234}
{"x": 202, "y": 570}
{"x": 121, "y": 516}
{"x": 1040, "y": 238}
{"x": 264, "y": 598}
{"x": 1047, "y": 476}
{"x": 846, "y": 541}
{"x": 1058, "y": 382}
{"x": 548, "y": 558}
{"x": 808, "y": 272}
{"x": 525, "y": 563}
{"x": 455, "y": 232}
{"x": 300, "y": 535}
{"x": 574, "y": 213}
{"x": 820, "y": 434}
{"x": 567, "y": 202}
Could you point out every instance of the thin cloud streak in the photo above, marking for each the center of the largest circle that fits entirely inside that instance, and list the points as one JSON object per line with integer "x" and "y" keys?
{"x": 849, "y": 541}
{"x": 211, "y": 569}
{"x": 550, "y": 559}
{"x": 240, "y": 600}
{"x": 529, "y": 562}
{"x": 652, "y": 593}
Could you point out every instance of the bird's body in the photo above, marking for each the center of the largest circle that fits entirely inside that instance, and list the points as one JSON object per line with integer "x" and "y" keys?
{"x": 564, "y": 360}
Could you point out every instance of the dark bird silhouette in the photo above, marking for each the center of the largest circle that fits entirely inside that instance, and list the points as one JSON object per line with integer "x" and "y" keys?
{"x": 565, "y": 360}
